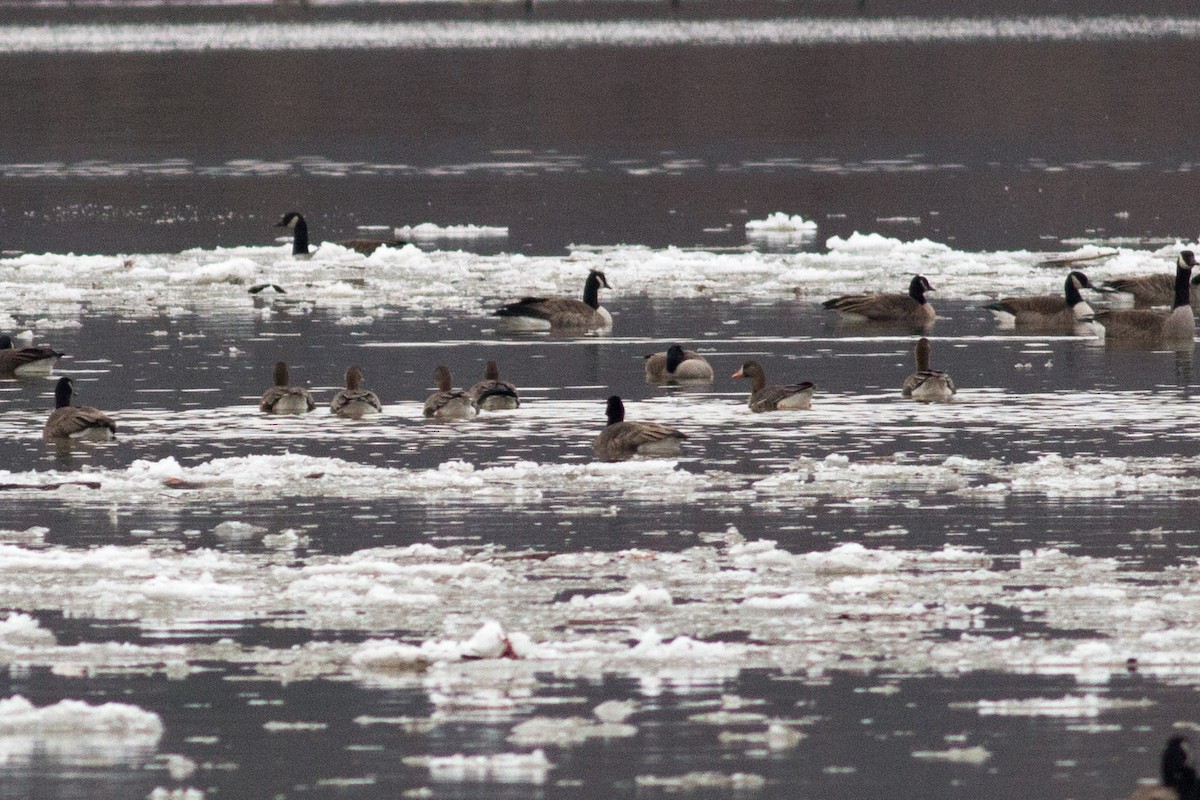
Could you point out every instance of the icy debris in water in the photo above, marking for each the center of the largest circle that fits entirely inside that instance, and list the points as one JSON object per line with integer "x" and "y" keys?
{"x": 233, "y": 529}
{"x": 776, "y": 737}
{"x": 22, "y": 630}
{"x": 180, "y": 768}
{"x": 651, "y": 645}
{"x": 1089, "y": 705}
{"x": 615, "y": 710}
{"x": 187, "y": 793}
{"x": 490, "y": 641}
{"x": 703, "y": 781}
{"x": 792, "y": 601}
{"x": 956, "y": 755}
{"x": 499, "y": 767}
{"x": 725, "y": 718}
{"x": 287, "y": 539}
{"x": 429, "y": 230}
{"x": 566, "y": 731}
{"x": 18, "y": 716}
{"x": 276, "y": 726}
{"x": 640, "y": 596}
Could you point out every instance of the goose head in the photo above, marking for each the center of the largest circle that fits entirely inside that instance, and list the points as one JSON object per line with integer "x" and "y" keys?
{"x": 1186, "y": 260}
{"x": 752, "y": 370}
{"x": 291, "y": 220}
{"x": 62, "y": 392}
{"x": 675, "y": 357}
{"x": 917, "y": 288}
{"x": 1079, "y": 280}
{"x": 615, "y": 410}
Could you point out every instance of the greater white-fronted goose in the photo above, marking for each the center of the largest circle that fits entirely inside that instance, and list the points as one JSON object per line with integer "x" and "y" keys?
{"x": 677, "y": 365}
{"x": 284, "y": 399}
{"x": 560, "y": 313}
{"x": 927, "y": 385}
{"x": 355, "y": 402}
{"x": 1064, "y": 313}
{"x": 794, "y": 397}
{"x": 899, "y": 309}
{"x": 1178, "y": 776}
{"x": 294, "y": 221}
{"x": 76, "y": 422}
{"x": 621, "y": 440}
{"x": 26, "y": 362}
{"x": 1149, "y": 290}
{"x": 1177, "y": 326}
{"x": 493, "y": 394}
{"x": 447, "y": 402}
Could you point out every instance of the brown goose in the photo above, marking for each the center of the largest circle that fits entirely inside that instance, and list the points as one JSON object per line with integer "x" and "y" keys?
{"x": 25, "y": 361}
{"x": 796, "y": 396}
{"x": 294, "y": 221}
{"x": 927, "y": 385}
{"x": 907, "y": 309}
{"x": 559, "y": 313}
{"x": 355, "y": 402}
{"x": 446, "y": 402}
{"x": 1149, "y": 290}
{"x": 1048, "y": 313}
{"x": 493, "y": 394}
{"x": 284, "y": 399}
{"x": 677, "y": 365}
{"x": 621, "y": 440}
{"x": 1178, "y": 775}
{"x": 1178, "y": 326}
{"x": 76, "y": 422}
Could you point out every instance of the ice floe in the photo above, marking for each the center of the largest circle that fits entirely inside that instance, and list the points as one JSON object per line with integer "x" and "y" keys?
{"x": 73, "y": 731}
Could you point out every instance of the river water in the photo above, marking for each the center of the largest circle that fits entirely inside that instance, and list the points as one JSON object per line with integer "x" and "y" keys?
{"x": 873, "y": 598}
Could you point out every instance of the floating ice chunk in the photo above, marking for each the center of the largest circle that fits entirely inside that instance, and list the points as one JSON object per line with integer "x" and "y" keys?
{"x": 640, "y": 596}
{"x": 652, "y": 646}
{"x": 499, "y": 767}
{"x": 429, "y": 230}
{"x": 777, "y": 736}
{"x": 73, "y": 731}
{"x": 1089, "y": 705}
{"x": 781, "y": 222}
{"x": 185, "y": 793}
{"x": 615, "y": 710}
{"x": 703, "y": 781}
{"x": 853, "y": 557}
{"x": 566, "y": 731}
{"x": 956, "y": 755}
{"x": 277, "y": 726}
{"x": 874, "y": 243}
{"x": 786, "y": 602}
{"x": 22, "y": 630}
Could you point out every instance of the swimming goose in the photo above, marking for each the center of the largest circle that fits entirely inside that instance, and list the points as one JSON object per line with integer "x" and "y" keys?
{"x": 1064, "y": 313}
{"x": 677, "y": 365}
{"x": 1178, "y": 775}
{"x": 76, "y": 422}
{"x": 927, "y": 385}
{"x": 1149, "y": 290}
{"x": 1156, "y": 327}
{"x": 796, "y": 396}
{"x": 909, "y": 309}
{"x": 26, "y": 361}
{"x": 621, "y": 440}
{"x": 559, "y": 313}
{"x": 493, "y": 394}
{"x": 355, "y": 402}
{"x": 284, "y": 399}
{"x": 448, "y": 403}
{"x": 294, "y": 221}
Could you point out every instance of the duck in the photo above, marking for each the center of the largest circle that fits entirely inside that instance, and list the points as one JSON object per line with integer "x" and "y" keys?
{"x": 76, "y": 422}
{"x": 355, "y": 402}
{"x": 1177, "y": 326}
{"x": 927, "y": 385}
{"x": 284, "y": 399}
{"x": 1178, "y": 775}
{"x": 560, "y": 313}
{"x": 796, "y": 396}
{"x": 448, "y": 403}
{"x": 1157, "y": 289}
{"x": 908, "y": 309}
{"x": 294, "y": 221}
{"x": 621, "y": 440}
{"x": 493, "y": 394}
{"x": 677, "y": 365}
{"x": 1064, "y": 313}
{"x": 26, "y": 361}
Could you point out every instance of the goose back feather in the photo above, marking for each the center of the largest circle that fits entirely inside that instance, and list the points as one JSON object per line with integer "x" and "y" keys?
{"x": 26, "y": 361}
{"x": 621, "y": 439}
{"x": 68, "y": 421}
{"x": 677, "y": 365}
{"x": 355, "y": 402}
{"x": 493, "y": 394}
{"x": 911, "y": 308}
{"x": 772, "y": 397}
{"x": 448, "y": 403}
{"x": 559, "y": 313}
{"x": 284, "y": 399}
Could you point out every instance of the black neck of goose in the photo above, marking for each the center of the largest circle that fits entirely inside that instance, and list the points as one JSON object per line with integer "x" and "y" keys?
{"x": 1183, "y": 286}
{"x": 922, "y": 354}
{"x": 916, "y": 290}
{"x": 300, "y": 238}
{"x": 62, "y": 394}
{"x": 591, "y": 291}
{"x": 615, "y": 412}
{"x": 675, "y": 357}
{"x": 1071, "y": 291}
{"x": 6, "y": 343}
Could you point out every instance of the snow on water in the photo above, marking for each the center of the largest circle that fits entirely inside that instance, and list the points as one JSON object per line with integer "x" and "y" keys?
{"x": 429, "y": 230}
{"x": 158, "y": 38}
{"x": 72, "y": 731}
{"x": 60, "y": 285}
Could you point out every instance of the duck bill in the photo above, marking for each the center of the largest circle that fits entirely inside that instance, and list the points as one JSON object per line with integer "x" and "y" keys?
{"x": 737, "y": 374}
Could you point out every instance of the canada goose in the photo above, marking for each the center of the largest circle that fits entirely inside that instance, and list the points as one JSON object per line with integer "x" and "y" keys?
{"x": 559, "y": 313}
{"x": 908, "y": 309}
{"x": 1065, "y": 312}
{"x": 1156, "y": 327}
{"x": 1178, "y": 775}
{"x": 295, "y": 221}
{"x": 493, "y": 394}
{"x": 448, "y": 403}
{"x": 797, "y": 396}
{"x": 677, "y": 365}
{"x": 76, "y": 422}
{"x": 1157, "y": 289}
{"x": 355, "y": 402}
{"x": 927, "y": 385}
{"x": 284, "y": 399}
{"x": 25, "y": 361}
{"x": 621, "y": 440}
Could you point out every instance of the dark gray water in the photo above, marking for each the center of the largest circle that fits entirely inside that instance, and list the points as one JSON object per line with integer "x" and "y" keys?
{"x": 873, "y": 598}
